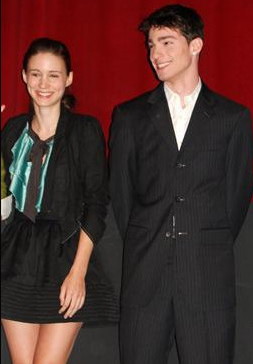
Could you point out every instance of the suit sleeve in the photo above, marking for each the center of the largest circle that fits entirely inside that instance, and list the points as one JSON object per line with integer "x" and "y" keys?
{"x": 239, "y": 171}
{"x": 122, "y": 162}
{"x": 93, "y": 169}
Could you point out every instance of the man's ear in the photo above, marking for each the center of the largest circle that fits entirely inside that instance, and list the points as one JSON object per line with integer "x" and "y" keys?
{"x": 196, "y": 46}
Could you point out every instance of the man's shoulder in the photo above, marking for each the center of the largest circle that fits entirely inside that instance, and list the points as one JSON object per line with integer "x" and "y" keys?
{"x": 138, "y": 102}
{"x": 223, "y": 103}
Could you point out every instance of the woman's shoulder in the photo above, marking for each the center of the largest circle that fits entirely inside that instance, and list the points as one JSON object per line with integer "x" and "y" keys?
{"x": 15, "y": 125}
{"x": 84, "y": 119}
{"x": 85, "y": 128}
{"x": 18, "y": 118}
{"x": 85, "y": 123}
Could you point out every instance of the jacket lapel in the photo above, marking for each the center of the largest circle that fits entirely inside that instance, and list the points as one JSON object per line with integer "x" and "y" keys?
{"x": 160, "y": 116}
{"x": 201, "y": 114}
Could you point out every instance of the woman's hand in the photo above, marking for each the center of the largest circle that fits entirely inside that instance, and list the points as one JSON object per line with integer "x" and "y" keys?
{"x": 72, "y": 295}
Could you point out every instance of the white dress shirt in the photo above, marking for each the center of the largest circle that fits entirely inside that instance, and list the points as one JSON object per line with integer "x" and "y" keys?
{"x": 181, "y": 115}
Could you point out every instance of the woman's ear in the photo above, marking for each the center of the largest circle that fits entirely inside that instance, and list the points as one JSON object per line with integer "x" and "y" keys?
{"x": 69, "y": 79}
{"x": 24, "y": 76}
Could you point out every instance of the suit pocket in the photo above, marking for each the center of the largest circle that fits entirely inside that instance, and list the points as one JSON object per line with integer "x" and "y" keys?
{"x": 220, "y": 236}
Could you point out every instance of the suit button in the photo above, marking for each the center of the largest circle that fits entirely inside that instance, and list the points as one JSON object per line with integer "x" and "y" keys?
{"x": 179, "y": 198}
{"x": 182, "y": 233}
{"x": 180, "y": 165}
{"x": 167, "y": 234}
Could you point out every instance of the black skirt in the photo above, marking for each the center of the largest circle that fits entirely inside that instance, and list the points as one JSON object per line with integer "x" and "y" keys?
{"x": 34, "y": 265}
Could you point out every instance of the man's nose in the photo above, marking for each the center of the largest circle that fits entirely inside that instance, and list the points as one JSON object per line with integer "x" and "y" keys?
{"x": 155, "y": 53}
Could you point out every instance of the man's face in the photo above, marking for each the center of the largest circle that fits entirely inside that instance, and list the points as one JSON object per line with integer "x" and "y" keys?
{"x": 170, "y": 54}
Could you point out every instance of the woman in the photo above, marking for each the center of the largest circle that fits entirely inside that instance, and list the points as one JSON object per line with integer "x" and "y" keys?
{"x": 56, "y": 171}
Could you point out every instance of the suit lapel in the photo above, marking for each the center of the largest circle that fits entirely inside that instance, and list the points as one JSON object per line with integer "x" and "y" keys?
{"x": 160, "y": 116}
{"x": 202, "y": 113}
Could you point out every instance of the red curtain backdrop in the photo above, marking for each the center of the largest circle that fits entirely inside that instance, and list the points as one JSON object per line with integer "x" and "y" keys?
{"x": 109, "y": 58}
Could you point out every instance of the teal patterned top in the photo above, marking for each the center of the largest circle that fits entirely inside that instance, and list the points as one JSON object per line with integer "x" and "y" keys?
{"x": 20, "y": 169}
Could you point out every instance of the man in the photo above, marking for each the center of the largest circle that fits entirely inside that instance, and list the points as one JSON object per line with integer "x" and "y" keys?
{"x": 181, "y": 183}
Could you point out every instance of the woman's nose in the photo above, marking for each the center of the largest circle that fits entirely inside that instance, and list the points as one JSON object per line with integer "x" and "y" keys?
{"x": 43, "y": 82}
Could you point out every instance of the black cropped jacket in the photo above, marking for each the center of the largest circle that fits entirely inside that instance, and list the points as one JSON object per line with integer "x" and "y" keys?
{"x": 76, "y": 191}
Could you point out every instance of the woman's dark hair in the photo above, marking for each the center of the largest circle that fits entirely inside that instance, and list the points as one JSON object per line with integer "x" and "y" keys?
{"x": 43, "y": 45}
{"x": 53, "y": 46}
{"x": 175, "y": 16}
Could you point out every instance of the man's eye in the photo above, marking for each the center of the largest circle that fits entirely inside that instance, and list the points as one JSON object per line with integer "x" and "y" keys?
{"x": 35, "y": 74}
{"x": 54, "y": 76}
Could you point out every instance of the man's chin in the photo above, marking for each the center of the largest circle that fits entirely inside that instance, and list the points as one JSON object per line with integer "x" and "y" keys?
{"x": 162, "y": 78}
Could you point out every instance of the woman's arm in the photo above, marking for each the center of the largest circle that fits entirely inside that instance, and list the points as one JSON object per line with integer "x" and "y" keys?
{"x": 72, "y": 294}
{"x": 93, "y": 171}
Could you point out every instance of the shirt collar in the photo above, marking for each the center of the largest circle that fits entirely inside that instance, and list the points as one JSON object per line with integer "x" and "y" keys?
{"x": 172, "y": 96}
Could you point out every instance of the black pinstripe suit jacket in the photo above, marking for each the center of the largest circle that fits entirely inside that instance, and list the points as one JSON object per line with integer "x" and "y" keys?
{"x": 206, "y": 186}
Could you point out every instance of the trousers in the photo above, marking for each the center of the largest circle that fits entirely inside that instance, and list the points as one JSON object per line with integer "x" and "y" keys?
{"x": 147, "y": 333}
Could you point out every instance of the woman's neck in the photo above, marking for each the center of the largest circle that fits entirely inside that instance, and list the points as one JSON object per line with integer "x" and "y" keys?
{"x": 45, "y": 120}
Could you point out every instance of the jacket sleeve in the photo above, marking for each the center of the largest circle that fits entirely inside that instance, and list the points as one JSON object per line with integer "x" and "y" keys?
{"x": 93, "y": 168}
{"x": 122, "y": 166}
{"x": 239, "y": 171}
{"x": 9, "y": 134}
{"x": 5, "y": 156}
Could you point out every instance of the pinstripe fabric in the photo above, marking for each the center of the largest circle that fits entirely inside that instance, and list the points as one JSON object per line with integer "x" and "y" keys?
{"x": 199, "y": 196}
{"x": 202, "y": 337}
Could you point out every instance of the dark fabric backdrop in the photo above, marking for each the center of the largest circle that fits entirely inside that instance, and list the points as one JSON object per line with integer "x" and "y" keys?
{"x": 109, "y": 62}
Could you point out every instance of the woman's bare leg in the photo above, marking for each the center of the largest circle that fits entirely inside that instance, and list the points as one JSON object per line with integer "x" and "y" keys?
{"x": 22, "y": 340}
{"x": 55, "y": 342}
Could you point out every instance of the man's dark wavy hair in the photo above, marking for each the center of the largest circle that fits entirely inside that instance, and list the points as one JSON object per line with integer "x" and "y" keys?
{"x": 175, "y": 16}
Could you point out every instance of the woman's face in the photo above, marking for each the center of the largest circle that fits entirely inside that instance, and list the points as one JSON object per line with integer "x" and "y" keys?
{"x": 46, "y": 79}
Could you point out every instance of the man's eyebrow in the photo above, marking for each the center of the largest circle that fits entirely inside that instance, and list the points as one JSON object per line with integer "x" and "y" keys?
{"x": 163, "y": 38}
